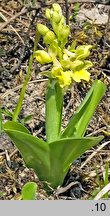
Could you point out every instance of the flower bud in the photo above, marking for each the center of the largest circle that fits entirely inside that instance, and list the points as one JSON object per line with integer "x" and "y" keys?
{"x": 42, "y": 29}
{"x": 55, "y": 27}
{"x": 56, "y": 17}
{"x": 64, "y": 35}
{"x": 60, "y": 28}
{"x": 56, "y": 7}
{"x": 53, "y": 49}
{"x": 42, "y": 57}
{"x": 48, "y": 13}
{"x": 66, "y": 31}
{"x": 49, "y": 37}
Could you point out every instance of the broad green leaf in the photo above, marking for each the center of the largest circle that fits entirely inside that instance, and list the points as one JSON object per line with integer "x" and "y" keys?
{"x": 80, "y": 120}
{"x": 29, "y": 191}
{"x": 50, "y": 161}
{"x": 54, "y": 104}
{"x": 65, "y": 151}
{"x": 34, "y": 151}
{"x": 11, "y": 125}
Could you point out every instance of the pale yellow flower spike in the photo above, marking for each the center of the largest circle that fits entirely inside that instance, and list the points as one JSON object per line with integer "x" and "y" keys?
{"x": 68, "y": 64}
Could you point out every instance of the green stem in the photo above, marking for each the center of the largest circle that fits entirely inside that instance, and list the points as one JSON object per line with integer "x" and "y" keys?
{"x": 27, "y": 78}
{"x": 54, "y": 105}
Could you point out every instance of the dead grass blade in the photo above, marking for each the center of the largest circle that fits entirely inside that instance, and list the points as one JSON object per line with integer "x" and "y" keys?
{"x": 102, "y": 192}
{"x": 94, "y": 153}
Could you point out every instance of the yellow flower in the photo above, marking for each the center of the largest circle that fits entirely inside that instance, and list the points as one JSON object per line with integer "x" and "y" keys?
{"x": 66, "y": 64}
{"x": 56, "y": 72}
{"x": 48, "y": 13}
{"x": 87, "y": 64}
{"x": 81, "y": 75}
{"x": 57, "y": 68}
{"x": 42, "y": 57}
{"x": 83, "y": 51}
{"x": 79, "y": 69}
{"x": 65, "y": 79}
{"x": 76, "y": 65}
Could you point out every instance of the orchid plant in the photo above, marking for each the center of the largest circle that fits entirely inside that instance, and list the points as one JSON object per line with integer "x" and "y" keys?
{"x": 51, "y": 159}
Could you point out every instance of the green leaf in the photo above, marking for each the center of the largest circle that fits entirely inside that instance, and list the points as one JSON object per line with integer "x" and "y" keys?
{"x": 27, "y": 118}
{"x": 75, "y": 10}
{"x": 7, "y": 112}
{"x": 11, "y": 125}
{"x": 29, "y": 191}
{"x": 106, "y": 179}
{"x": 65, "y": 151}
{"x": 54, "y": 104}
{"x": 80, "y": 120}
{"x": 2, "y": 193}
{"x": 34, "y": 151}
{"x": 50, "y": 161}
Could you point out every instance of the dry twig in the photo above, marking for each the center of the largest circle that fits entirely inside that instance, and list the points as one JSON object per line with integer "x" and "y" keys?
{"x": 67, "y": 12}
{"x": 94, "y": 153}
{"x": 19, "y": 87}
{"x": 22, "y": 12}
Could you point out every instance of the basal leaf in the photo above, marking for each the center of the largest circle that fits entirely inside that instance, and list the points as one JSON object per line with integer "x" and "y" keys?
{"x": 34, "y": 151}
{"x": 80, "y": 120}
{"x": 50, "y": 161}
{"x": 29, "y": 191}
{"x": 65, "y": 151}
{"x": 11, "y": 125}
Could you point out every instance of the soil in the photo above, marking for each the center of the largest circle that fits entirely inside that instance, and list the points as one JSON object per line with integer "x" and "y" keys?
{"x": 17, "y": 38}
